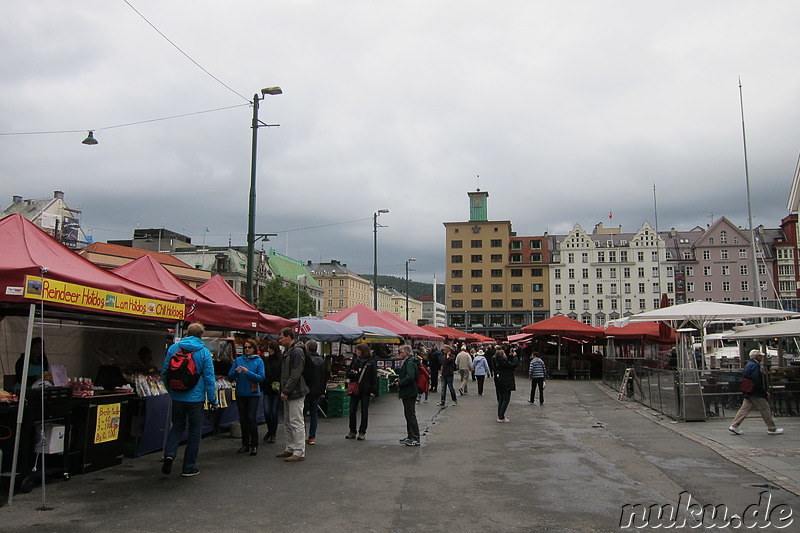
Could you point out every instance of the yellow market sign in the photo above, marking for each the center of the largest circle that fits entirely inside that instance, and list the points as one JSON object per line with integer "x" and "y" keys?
{"x": 51, "y": 290}
{"x": 108, "y": 421}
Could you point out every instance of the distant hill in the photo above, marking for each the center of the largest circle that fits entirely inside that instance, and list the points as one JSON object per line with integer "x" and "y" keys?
{"x": 416, "y": 289}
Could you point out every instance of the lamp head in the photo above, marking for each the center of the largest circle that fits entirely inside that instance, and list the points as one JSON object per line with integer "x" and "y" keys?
{"x": 271, "y": 91}
{"x": 90, "y": 140}
{"x": 383, "y": 211}
{"x": 411, "y": 259}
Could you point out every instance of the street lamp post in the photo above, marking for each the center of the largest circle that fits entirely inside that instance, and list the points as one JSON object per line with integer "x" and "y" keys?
{"x": 251, "y": 213}
{"x": 375, "y": 226}
{"x": 298, "y": 294}
{"x": 407, "y": 262}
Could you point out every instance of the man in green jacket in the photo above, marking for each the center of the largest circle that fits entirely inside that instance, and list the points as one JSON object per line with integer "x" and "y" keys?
{"x": 408, "y": 394}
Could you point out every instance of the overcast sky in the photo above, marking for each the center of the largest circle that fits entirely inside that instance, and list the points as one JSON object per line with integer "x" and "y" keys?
{"x": 566, "y": 109}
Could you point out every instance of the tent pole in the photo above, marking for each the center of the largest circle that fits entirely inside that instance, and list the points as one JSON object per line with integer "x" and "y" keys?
{"x": 21, "y": 405}
{"x": 559, "y": 352}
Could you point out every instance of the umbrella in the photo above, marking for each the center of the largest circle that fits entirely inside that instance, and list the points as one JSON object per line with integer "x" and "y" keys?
{"x": 701, "y": 312}
{"x": 312, "y": 327}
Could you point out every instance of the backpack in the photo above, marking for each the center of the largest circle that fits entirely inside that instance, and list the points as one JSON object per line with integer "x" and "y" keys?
{"x": 182, "y": 374}
{"x": 314, "y": 372}
{"x": 423, "y": 379}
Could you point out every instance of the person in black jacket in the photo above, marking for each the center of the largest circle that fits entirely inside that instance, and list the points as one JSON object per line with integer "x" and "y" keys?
{"x": 316, "y": 377}
{"x": 37, "y": 365}
{"x": 362, "y": 368}
{"x": 435, "y": 363}
{"x": 271, "y": 389}
{"x": 505, "y": 381}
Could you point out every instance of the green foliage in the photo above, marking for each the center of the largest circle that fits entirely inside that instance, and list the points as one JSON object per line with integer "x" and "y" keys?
{"x": 280, "y": 299}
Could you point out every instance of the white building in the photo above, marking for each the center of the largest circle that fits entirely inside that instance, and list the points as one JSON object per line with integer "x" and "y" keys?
{"x": 608, "y": 274}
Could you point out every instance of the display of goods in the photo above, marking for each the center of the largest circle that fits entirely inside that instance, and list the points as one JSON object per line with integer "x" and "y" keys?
{"x": 81, "y": 387}
{"x": 149, "y": 385}
{"x": 6, "y": 396}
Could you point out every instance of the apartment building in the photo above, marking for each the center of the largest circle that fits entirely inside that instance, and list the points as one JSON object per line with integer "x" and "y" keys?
{"x": 495, "y": 281}
{"x": 343, "y": 288}
{"x": 608, "y": 274}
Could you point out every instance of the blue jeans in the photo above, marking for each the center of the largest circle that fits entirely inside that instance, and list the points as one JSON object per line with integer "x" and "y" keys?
{"x": 272, "y": 409}
{"x": 504, "y": 398}
{"x": 447, "y": 383}
{"x": 312, "y": 405}
{"x": 185, "y": 414}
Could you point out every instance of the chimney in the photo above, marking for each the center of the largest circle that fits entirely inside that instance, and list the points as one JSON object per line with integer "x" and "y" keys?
{"x": 16, "y": 199}
{"x": 58, "y": 195}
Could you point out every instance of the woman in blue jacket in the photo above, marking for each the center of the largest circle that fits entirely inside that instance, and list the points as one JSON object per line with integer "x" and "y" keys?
{"x": 248, "y": 370}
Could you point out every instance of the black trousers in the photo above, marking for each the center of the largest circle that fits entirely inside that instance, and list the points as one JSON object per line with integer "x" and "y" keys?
{"x": 434, "y": 379}
{"x": 480, "y": 384}
{"x": 248, "y": 408}
{"x": 410, "y": 412}
{"x": 537, "y": 382}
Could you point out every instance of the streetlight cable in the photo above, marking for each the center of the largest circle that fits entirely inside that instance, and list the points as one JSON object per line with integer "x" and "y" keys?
{"x": 187, "y": 55}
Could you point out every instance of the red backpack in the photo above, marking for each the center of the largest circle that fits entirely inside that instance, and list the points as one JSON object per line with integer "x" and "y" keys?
{"x": 423, "y": 379}
{"x": 182, "y": 374}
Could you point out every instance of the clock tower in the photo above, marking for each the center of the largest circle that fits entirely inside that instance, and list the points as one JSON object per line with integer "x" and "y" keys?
{"x": 477, "y": 206}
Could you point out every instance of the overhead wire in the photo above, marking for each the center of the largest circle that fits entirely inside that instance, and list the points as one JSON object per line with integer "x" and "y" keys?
{"x": 185, "y": 54}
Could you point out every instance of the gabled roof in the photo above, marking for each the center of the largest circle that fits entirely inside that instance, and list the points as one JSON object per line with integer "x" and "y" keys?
{"x": 116, "y": 250}
{"x": 289, "y": 269}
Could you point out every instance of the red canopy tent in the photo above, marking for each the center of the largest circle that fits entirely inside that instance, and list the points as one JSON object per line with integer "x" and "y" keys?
{"x": 451, "y": 334}
{"x": 37, "y": 269}
{"x": 29, "y": 252}
{"x": 150, "y": 272}
{"x": 562, "y": 326}
{"x": 361, "y": 315}
{"x": 648, "y": 331}
{"x": 416, "y": 331}
{"x": 217, "y": 290}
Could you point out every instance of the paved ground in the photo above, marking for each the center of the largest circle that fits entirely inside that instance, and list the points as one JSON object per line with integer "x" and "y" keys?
{"x": 570, "y": 465}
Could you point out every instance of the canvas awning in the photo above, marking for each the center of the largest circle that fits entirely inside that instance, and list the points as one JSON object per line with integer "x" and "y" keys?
{"x": 217, "y": 290}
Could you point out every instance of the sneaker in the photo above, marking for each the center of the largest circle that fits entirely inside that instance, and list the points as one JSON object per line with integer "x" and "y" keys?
{"x": 267, "y": 437}
{"x": 166, "y": 466}
{"x": 777, "y": 431}
{"x": 440, "y": 404}
{"x": 272, "y": 439}
{"x": 734, "y": 429}
{"x": 506, "y": 421}
{"x": 461, "y": 391}
{"x": 531, "y": 401}
{"x": 350, "y": 435}
{"x": 499, "y": 420}
{"x": 294, "y": 459}
{"x": 244, "y": 449}
{"x": 405, "y": 441}
{"x": 284, "y": 454}
{"x": 253, "y": 450}
{"x": 410, "y": 442}
{"x": 192, "y": 472}
{"x": 361, "y": 436}
{"x": 311, "y": 441}
{"x": 455, "y": 402}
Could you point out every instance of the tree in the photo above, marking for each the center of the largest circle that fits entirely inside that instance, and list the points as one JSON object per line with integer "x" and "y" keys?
{"x": 280, "y": 299}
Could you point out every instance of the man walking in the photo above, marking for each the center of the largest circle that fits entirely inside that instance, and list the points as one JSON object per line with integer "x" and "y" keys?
{"x": 755, "y": 397}
{"x": 537, "y": 372}
{"x": 435, "y": 363}
{"x": 188, "y": 399}
{"x": 463, "y": 364}
{"x": 407, "y": 381}
{"x": 293, "y": 393}
{"x": 448, "y": 370}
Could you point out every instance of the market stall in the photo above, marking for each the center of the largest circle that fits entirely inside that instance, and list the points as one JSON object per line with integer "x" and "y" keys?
{"x": 88, "y": 307}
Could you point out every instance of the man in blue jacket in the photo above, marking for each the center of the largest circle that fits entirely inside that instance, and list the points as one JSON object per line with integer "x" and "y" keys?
{"x": 187, "y": 405}
{"x": 756, "y": 398}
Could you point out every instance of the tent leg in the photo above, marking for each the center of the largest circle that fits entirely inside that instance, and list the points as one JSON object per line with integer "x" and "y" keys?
{"x": 21, "y": 406}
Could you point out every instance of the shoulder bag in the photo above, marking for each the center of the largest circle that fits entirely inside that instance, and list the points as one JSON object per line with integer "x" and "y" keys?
{"x": 354, "y": 388}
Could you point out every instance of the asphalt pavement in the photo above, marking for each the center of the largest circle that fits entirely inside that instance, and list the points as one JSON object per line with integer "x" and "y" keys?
{"x": 572, "y": 464}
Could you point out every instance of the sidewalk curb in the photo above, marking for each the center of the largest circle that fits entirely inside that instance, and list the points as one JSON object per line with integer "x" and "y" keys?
{"x": 738, "y": 457}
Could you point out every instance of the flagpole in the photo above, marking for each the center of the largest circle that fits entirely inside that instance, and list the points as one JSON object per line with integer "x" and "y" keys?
{"x": 658, "y": 251}
{"x": 756, "y": 288}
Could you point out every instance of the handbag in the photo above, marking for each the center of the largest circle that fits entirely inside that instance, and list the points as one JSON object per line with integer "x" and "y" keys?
{"x": 354, "y": 388}
{"x": 747, "y": 385}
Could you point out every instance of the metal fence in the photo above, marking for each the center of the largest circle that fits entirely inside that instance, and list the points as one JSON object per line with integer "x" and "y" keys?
{"x": 695, "y": 395}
